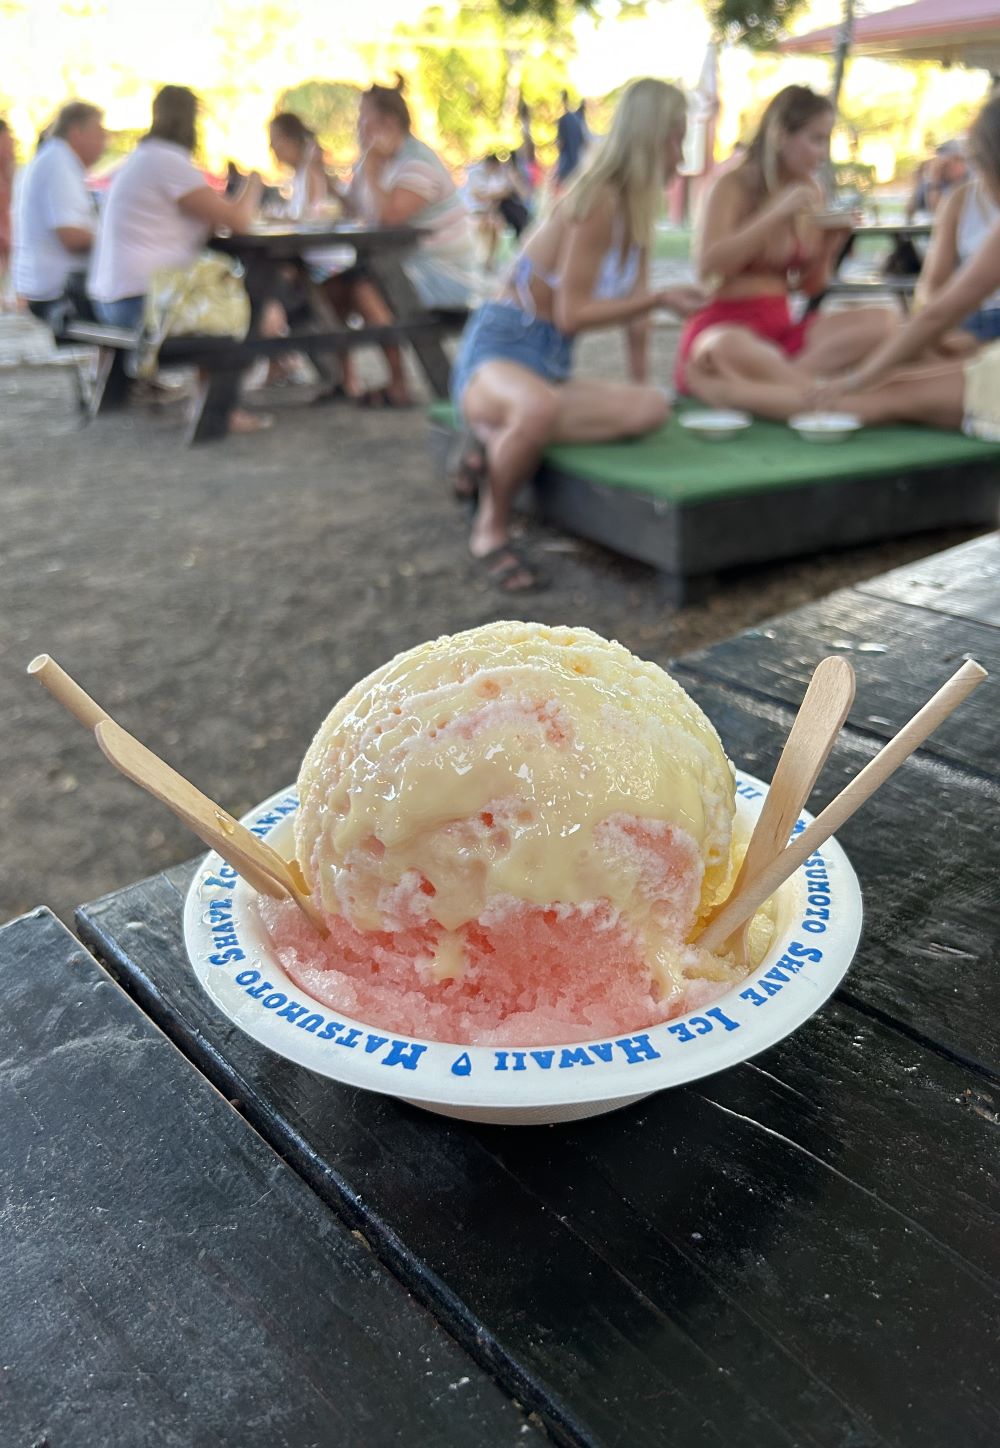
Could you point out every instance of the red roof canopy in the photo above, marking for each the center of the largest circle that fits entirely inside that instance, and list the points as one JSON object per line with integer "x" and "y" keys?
{"x": 966, "y": 32}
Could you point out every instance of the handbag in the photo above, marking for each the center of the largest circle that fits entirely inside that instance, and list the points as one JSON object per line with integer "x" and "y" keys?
{"x": 205, "y": 299}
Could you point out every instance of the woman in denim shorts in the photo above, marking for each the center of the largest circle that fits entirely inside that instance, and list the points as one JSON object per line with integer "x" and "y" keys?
{"x": 585, "y": 266}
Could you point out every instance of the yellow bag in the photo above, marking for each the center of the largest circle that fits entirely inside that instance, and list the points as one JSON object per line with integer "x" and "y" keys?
{"x": 206, "y": 299}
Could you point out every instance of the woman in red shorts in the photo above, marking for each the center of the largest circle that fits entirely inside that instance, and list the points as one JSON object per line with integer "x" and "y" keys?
{"x": 759, "y": 241}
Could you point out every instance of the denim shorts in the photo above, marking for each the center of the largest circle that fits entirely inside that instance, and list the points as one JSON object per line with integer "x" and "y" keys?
{"x": 984, "y": 325}
{"x": 127, "y": 312}
{"x": 502, "y": 332}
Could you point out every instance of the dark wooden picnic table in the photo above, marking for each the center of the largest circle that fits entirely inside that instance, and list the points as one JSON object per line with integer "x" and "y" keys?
{"x": 802, "y": 1250}
{"x": 896, "y": 274}
{"x": 268, "y": 250}
{"x": 270, "y": 254}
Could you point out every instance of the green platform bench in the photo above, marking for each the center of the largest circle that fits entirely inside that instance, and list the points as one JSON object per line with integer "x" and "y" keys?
{"x": 694, "y": 508}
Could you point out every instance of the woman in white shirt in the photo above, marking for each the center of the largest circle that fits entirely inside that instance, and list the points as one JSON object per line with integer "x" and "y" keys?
{"x": 400, "y": 180}
{"x": 160, "y": 211}
{"x": 964, "y": 220}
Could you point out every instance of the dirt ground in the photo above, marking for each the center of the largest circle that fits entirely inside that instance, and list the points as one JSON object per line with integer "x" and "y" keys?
{"x": 219, "y": 600}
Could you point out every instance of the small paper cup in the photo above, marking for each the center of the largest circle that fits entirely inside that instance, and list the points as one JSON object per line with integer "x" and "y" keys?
{"x": 716, "y": 425}
{"x": 818, "y": 925}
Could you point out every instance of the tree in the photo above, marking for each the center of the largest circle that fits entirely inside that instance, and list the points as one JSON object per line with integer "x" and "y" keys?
{"x": 330, "y": 108}
{"x": 471, "y": 65}
{"x": 756, "y": 23}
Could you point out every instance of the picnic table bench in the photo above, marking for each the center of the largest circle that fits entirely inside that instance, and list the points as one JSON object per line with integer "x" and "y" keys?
{"x": 264, "y": 253}
{"x": 802, "y": 1249}
{"x": 891, "y": 277}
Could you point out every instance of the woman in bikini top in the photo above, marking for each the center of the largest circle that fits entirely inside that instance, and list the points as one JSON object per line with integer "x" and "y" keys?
{"x": 760, "y": 240}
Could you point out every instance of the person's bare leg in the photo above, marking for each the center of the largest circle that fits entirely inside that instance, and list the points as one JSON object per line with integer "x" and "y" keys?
{"x": 369, "y": 301}
{"x": 516, "y": 415}
{"x": 726, "y": 351}
{"x": 338, "y": 294}
{"x": 838, "y": 341}
{"x": 513, "y": 411}
{"x": 932, "y": 396}
{"x": 593, "y": 411}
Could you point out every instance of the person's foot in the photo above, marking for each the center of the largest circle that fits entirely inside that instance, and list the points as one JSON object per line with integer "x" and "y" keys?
{"x": 507, "y": 569}
{"x": 467, "y": 467}
{"x": 240, "y": 420}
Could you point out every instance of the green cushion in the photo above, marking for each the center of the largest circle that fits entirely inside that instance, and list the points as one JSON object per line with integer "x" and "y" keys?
{"x": 674, "y": 465}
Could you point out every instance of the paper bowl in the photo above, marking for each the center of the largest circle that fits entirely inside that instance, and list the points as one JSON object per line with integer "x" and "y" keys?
{"x": 819, "y": 921}
{"x": 825, "y": 426}
{"x": 715, "y": 426}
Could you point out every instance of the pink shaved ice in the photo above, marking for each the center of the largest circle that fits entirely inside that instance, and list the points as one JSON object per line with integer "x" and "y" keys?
{"x": 531, "y": 976}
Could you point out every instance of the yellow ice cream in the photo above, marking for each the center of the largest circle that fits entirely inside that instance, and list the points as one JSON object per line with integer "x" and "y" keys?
{"x": 503, "y": 764}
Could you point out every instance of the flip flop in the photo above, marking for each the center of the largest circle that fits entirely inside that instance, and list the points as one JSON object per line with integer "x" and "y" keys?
{"x": 502, "y": 566}
{"x": 468, "y": 468}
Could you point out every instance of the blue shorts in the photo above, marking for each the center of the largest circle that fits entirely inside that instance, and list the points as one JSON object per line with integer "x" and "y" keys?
{"x": 127, "y": 312}
{"x": 984, "y": 325}
{"x": 502, "y": 332}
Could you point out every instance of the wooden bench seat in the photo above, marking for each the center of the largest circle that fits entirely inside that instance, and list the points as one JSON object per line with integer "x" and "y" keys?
{"x": 222, "y": 360}
{"x": 694, "y": 508}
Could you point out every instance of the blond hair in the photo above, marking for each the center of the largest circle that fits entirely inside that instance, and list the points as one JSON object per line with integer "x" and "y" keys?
{"x": 630, "y": 157}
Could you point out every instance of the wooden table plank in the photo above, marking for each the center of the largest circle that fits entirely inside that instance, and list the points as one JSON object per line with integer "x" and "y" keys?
{"x": 962, "y": 581}
{"x": 167, "y": 1278}
{"x": 901, "y": 656}
{"x": 927, "y": 851}
{"x": 802, "y": 1251}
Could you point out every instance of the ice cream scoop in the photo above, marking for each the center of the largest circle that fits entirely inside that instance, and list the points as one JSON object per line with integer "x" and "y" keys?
{"x": 495, "y": 805}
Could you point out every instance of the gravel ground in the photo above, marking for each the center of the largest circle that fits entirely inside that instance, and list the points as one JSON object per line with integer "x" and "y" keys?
{"x": 219, "y": 600}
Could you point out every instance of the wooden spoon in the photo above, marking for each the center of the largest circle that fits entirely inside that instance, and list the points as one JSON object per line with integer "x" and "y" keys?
{"x": 260, "y": 865}
{"x": 739, "y": 908}
{"x": 821, "y": 714}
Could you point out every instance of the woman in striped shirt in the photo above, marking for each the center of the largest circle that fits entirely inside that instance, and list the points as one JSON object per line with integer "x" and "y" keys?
{"x": 400, "y": 180}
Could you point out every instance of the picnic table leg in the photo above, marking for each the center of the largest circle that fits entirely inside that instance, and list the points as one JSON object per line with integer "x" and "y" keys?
{"x": 329, "y": 368}
{"x": 111, "y": 385}
{"x": 217, "y": 395}
{"x": 399, "y": 292}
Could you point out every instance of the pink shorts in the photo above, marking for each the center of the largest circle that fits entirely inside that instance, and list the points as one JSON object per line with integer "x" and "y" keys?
{"x": 766, "y": 317}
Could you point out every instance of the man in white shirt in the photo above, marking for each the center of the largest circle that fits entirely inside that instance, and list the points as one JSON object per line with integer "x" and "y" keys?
{"x": 55, "y": 221}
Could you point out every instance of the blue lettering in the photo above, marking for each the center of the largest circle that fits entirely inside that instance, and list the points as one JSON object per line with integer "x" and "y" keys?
{"x": 260, "y": 990}
{"x": 805, "y": 952}
{"x": 638, "y": 1048}
{"x": 405, "y": 1054}
{"x": 462, "y": 1066}
{"x": 576, "y": 1057}
{"x": 292, "y": 1011}
{"x": 754, "y": 997}
{"x": 374, "y": 1043}
{"x": 247, "y": 977}
{"x": 717, "y": 1015}
{"x": 544, "y": 1058}
{"x": 681, "y": 1031}
{"x": 309, "y": 1023}
{"x": 272, "y": 1002}
{"x": 352, "y": 1037}
{"x": 226, "y": 957}
{"x": 602, "y": 1050}
{"x": 330, "y": 1030}
{"x": 221, "y": 884}
{"x": 501, "y": 1064}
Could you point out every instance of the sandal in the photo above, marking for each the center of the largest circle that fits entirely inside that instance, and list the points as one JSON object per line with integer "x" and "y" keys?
{"x": 380, "y": 399}
{"x": 467, "y": 468}
{"x": 504, "y": 565}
